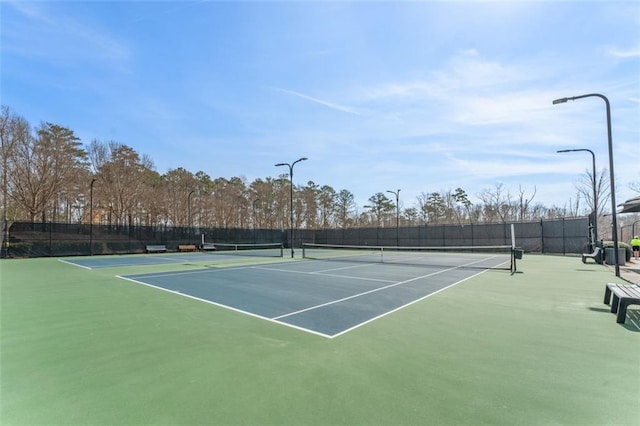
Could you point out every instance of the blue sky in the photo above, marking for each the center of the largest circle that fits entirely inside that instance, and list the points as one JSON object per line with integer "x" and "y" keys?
{"x": 417, "y": 96}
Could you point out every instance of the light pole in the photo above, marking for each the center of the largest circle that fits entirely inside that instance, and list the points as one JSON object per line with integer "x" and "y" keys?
{"x": 611, "y": 176}
{"x": 189, "y": 211}
{"x": 291, "y": 198}
{"x": 110, "y": 210}
{"x": 4, "y": 251}
{"x": 595, "y": 192}
{"x": 397, "y": 194}
{"x": 254, "y": 219}
{"x": 91, "y": 217}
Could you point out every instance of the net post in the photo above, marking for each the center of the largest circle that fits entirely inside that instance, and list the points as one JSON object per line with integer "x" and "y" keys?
{"x": 513, "y": 236}
{"x": 513, "y": 260}
{"x": 513, "y": 249}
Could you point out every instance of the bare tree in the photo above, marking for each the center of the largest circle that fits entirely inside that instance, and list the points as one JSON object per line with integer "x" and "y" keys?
{"x": 268, "y": 203}
{"x": 497, "y": 203}
{"x": 179, "y": 184}
{"x": 44, "y": 172}
{"x": 585, "y": 190}
{"x": 524, "y": 203}
{"x": 307, "y": 206}
{"x": 327, "y": 202}
{"x": 14, "y": 130}
{"x": 121, "y": 175}
{"x": 45, "y": 166}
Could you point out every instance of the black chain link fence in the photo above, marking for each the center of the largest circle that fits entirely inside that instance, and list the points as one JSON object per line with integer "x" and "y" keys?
{"x": 27, "y": 239}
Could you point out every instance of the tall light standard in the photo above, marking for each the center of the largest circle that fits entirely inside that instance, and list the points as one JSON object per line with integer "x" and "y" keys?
{"x": 254, "y": 219}
{"x": 291, "y": 206}
{"x": 189, "y": 211}
{"x": 595, "y": 192}
{"x": 611, "y": 178}
{"x": 397, "y": 194}
{"x": 91, "y": 217}
{"x": 4, "y": 251}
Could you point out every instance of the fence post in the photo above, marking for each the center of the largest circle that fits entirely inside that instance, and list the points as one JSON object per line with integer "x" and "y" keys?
{"x": 564, "y": 243}
{"x": 473, "y": 240}
{"x": 50, "y": 237}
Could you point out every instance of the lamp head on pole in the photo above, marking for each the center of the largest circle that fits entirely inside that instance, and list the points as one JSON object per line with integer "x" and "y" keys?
{"x": 298, "y": 160}
{"x": 611, "y": 173}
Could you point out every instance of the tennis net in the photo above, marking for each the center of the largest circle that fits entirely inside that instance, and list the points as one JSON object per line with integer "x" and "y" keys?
{"x": 246, "y": 249}
{"x": 477, "y": 257}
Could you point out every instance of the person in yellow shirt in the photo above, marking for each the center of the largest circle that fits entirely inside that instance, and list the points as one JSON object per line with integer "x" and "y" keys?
{"x": 635, "y": 246}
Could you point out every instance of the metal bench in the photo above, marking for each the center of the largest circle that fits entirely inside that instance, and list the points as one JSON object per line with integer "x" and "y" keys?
{"x": 620, "y": 296}
{"x": 596, "y": 256}
{"x": 208, "y": 246}
{"x": 187, "y": 247}
{"x": 156, "y": 248}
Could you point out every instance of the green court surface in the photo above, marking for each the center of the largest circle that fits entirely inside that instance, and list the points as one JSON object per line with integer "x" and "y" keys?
{"x": 538, "y": 347}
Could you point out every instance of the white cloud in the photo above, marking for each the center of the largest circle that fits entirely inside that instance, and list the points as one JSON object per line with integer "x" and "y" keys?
{"x": 633, "y": 52}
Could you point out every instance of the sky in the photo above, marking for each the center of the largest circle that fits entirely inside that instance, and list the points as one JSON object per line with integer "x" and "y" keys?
{"x": 418, "y": 96}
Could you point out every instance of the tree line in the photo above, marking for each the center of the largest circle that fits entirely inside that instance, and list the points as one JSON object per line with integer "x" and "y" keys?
{"x": 49, "y": 175}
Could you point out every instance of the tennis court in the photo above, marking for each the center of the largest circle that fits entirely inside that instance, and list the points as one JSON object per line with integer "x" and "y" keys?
{"x": 326, "y": 297}
{"x": 82, "y": 346}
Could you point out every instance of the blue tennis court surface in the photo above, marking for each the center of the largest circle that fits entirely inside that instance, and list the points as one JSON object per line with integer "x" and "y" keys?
{"x": 126, "y": 260}
{"x": 327, "y": 298}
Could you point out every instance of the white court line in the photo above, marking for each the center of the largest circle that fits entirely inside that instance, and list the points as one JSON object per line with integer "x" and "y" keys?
{"x": 74, "y": 264}
{"x": 403, "y": 306}
{"x": 351, "y": 278}
{"x": 347, "y": 267}
{"x": 275, "y": 320}
{"x": 231, "y": 308}
{"x": 322, "y": 274}
{"x": 199, "y": 271}
{"x": 124, "y": 265}
{"x": 376, "y": 290}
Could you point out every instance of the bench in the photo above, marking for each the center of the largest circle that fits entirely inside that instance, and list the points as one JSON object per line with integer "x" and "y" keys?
{"x": 156, "y": 248}
{"x": 208, "y": 246}
{"x": 187, "y": 247}
{"x": 596, "y": 256}
{"x": 620, "y": 296}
